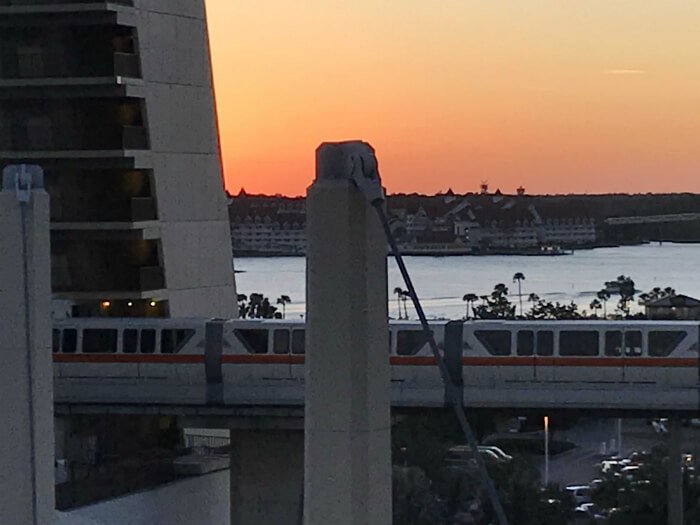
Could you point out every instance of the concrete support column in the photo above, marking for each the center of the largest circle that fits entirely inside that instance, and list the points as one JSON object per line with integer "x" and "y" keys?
{"x": 267, "y": 469}
{"x": 675, "y": 472}
{"x": 26, "y": 389}
{"x": 347, "y": 418}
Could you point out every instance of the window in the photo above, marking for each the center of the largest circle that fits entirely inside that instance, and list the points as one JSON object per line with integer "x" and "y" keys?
{"x": 56, "y": 340}
{"x": 148, "y": 341}
{"x": 613, "y": 343}
{"x": 130, "y": 341}
{"x": 69, "y": 343}
{"x": 280, "y": 342}
{"x": 409, "y": 342}
{"x": 255, "y": 341}
{"x": 99, "y": 341}
{"x": 526, "y": 342}
{"x": 662, "y": 344}
{"x": 545, "y": 343}
{"x": 172, "y": 341}
{"x": 496, "y": 342}
{"x": 633, "y": 343}
{"x": 298, "y": 341}
{"x": 578, "y": 343}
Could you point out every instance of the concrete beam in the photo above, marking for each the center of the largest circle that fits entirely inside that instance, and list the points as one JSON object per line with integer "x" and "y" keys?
{"x": 347, "y": 441}
{"x": 26, "y": 395}
{"x": 675, "y": 472}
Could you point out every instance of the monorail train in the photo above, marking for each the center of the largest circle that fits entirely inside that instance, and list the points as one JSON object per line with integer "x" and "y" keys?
{"x": 209, "y": 361}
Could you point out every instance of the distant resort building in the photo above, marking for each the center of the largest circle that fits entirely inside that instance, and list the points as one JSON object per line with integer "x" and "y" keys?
{"x": 441, "y": 224}
{"x": 262, "y": 225}
{"x": 673, "y": 307}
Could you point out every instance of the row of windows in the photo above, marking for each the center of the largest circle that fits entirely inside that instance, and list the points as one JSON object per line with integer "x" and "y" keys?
{"x": 105, "y": 340}
{"x": 409, "y": 342}
{"x": 580, "y": 342}
{"x": 257, "y": 341}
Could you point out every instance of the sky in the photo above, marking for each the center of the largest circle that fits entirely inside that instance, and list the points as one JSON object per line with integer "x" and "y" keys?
{"x": 557, "y": 96}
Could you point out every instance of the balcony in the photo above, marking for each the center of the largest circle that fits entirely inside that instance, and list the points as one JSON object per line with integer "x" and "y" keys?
{"x": 15, "y": 66}
{"x": 84, "y": 266}
{"x": 60, "y": 3}
{"x": 30, "y": 138}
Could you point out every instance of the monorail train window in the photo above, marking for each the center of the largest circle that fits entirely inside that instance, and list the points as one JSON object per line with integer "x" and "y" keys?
{"x": 409, "y": 342}
{"x": 99, "y": 341}
{"x": 130, "y": 341}
{"x": 578, "y": 343}
{"x": 255, "y": 341}
{"x": 172, "y": 341}
{"x": 526, "y": 342}
{"x": 56, "y": 340}
{"x": 633, "y": 343}
{"x": 280, "y": 342}
{"x": 69, "y": 341}
{"x": 545, "y": 343}
{"x": 148, "y": 341}
{"x": 497, "y": 342}
{"x": 613, "y": 343}
{"x": 661, "y": 344}
{"x": 298, "y": 341}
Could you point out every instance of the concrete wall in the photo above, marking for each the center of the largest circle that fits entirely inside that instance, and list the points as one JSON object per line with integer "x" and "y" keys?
{"x": 26, "y": 402}
{"x": 195, "y": 230}
{"x": 195, "y": 501}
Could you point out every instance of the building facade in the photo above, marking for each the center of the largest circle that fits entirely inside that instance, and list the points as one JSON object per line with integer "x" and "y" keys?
{"x": 115, "y": 101}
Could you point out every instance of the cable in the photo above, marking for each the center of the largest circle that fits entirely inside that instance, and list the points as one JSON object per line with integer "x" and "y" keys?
{"x": 454, "y": 393}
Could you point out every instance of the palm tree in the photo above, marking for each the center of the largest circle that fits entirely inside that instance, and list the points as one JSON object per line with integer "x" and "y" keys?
{"x": 595, "y": 306}
{"x": 520, "y": 277}
{"x": 603, "y": 295}
{"x": 399, "y": 293}
{"x": 469, "y": 299}
{"x": 533, "y": 298}
{"x": 284, "y": 300}
{"x": 404, "y": 296}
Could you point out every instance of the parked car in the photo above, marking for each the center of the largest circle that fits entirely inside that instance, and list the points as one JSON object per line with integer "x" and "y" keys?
{"x": 590, "y": 511}
{"x": 580, "y": 493}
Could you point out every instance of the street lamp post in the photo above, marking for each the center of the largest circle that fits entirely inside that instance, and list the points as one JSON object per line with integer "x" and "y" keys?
{"x": 546, "y": 450}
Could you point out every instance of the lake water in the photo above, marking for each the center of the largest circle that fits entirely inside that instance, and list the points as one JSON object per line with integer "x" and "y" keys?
{"x": 442, "y": 281}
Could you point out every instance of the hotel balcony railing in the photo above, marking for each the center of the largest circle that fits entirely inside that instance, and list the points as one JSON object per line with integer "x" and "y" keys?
{"x": 26, "y": 3}
{"x": 135, "y": 209}
{"x": 50, "y": 138}
{"x": 129, "y": 279}
{"x": 57, "y": 65}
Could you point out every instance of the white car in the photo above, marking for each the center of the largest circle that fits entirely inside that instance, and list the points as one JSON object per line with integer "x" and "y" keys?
{"x": 581, "y": 493}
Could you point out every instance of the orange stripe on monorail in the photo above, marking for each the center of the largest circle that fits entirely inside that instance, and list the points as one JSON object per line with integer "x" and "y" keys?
{"x": 128, "y": 358}
{"x": 675, "y": 362}
{"x": 278, "y": 359}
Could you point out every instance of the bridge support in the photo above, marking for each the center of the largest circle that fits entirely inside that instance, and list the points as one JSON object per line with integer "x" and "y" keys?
{"x": 675, "y": 472}
{"x": 26, "y": 390}
{"x": 347, "y": 420}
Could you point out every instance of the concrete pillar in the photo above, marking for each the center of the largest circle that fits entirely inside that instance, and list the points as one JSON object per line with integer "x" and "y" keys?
{"x": 347, "y": 468}
{"x": 26, "y": 390}
{"x": 675, "y": 472}
{"x": 267, "y": 468}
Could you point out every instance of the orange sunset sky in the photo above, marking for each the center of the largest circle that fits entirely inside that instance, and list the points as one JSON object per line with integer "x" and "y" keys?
{"x": 558, "y": 96}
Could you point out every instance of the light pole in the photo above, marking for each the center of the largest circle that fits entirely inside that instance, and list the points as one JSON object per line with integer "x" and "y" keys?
{"x": 546, "y": 450}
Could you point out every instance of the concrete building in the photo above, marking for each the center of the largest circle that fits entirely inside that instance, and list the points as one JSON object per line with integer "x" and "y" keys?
{"x": 114, "y": 100}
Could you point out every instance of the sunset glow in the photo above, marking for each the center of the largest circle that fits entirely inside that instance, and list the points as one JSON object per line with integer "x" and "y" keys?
{"x": 560, "y": 97}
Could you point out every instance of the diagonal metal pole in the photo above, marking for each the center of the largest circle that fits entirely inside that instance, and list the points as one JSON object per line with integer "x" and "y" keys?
{"x": 454, "y": 394}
